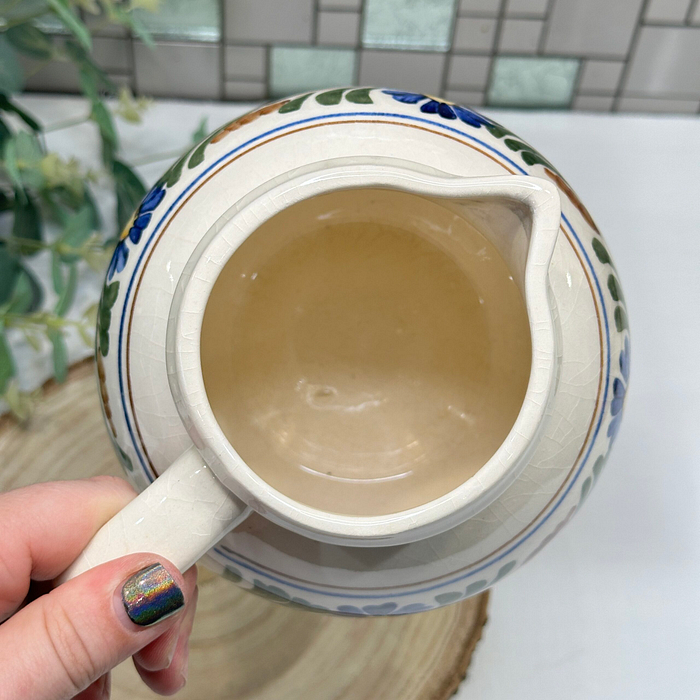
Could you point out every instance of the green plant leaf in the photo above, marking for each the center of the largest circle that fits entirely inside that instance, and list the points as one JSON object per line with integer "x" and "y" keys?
{"x": 57, "y": 280}
{"x": 7, "y": 365}
{"x": 201, "y": 131}
{"x": 620, "y": 319}
{"x": 28, "y": 156}
{"x": 65, "y": 299}
{"x": 293, "y": 105}
{"x": 7, "y": 106}
{"x": 101, "y": 116}
{"x": 60, "y": 355}
{"x": 37, "y": 290}
{"x": 21, "y": 295}
{"x": 130, "y": 192}
{"x": 129, "y": 19}
{"x": 96, "y": 219}
{"x": 10, "y": 164}
{"x": 6, "y": 202}
{"x": 78, "y": 228}
{"x": 30, "y": 40}
{"x": 331, "y": 97}
{"x": 359, "y": 96}
{"x": 27, "y": 294}
{"x": 9, "y": 270}
{"x": 11, "y": 79}
{"x": 71, "y": 21}
{"x": 601, "y": 252}
{"x": 26, "y": 224}
{"x": 5, "y": 135}
{"x": 92, "y": 78}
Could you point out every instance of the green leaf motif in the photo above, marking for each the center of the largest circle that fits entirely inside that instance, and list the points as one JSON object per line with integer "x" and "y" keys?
{"x": 11, "y": 79}
{"x": 26, "y": 225}
{"x": 60, "y": 355}
{"x": 620, "y": 319}
{"x": 359, "y": 96}
{"x": 504, "y": 570}
{"x": 72, "y": 22}
{"x": 31, "y": 40}
{"x": 585, "y": 490}
{"x": 498, "y": 131}
{"x": 104, "y": 317}
{"x": 515, "y": 145}
{"x": 601, "y": 252}
{"x": 534, "y": 158}
{"x": 615, "y": 289}
{"x": 130, "y": 191}
{"x": 332, "y": 97}
{"x": 198, "y": 154}
{"x": 294, "y": 105}
{"x": 173, "y": 174}
{"x": 67, "y": 295}
{"x": 475, "y": 587}
{"x": 7, "y": 365}
{"x": 447, "y": 598}
{"x": 598, "y": 467}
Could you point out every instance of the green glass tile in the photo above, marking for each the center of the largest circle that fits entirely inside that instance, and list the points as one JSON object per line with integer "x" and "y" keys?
{"x": 415, "y": 24}
{"x": 184, "y": 19}
{"x": 296, "y": 69}
{"x": 532, "y": 82}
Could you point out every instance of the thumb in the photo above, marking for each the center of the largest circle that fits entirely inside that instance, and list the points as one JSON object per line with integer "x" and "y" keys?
{"x": 60, "y": 643}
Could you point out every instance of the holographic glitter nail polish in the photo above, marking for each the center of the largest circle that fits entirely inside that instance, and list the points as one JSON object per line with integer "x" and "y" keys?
{"x": 151, "y": 595}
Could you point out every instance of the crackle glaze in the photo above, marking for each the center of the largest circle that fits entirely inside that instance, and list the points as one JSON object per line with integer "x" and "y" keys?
{"x": 474, "y": 542}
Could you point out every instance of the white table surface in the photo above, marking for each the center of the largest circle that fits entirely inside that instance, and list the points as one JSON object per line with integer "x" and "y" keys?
{"x": 610, "y": 609}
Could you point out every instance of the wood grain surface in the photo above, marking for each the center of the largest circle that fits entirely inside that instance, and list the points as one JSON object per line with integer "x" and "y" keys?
{"x": 244, "y": 647}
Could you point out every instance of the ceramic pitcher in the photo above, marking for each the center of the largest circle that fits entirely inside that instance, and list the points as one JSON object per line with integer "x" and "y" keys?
{"x": 199, "y": 495}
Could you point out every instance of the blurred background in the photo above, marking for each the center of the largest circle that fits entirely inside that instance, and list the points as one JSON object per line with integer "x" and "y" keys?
{"x": 601, "y": 55}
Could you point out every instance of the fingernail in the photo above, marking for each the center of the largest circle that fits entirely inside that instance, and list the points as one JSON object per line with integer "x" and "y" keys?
{"x": 151, "y": 595}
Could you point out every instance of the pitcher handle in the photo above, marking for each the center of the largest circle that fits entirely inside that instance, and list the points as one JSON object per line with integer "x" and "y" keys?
{"x": 181, "y": 515}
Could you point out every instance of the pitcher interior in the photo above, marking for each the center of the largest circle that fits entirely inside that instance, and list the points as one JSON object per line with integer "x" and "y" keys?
{"x": 367, "y": 351}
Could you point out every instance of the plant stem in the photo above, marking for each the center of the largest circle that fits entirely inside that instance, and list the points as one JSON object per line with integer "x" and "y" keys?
{"x": 67, "y": 123}
{"x": 155, "y": 158}
{"x": 39, "y": 318}
{"x": 24, "y": 18}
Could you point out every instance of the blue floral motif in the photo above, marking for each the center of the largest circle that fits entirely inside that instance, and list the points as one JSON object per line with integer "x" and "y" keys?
{"x": 133, "y": 232}
{"x": 619, "y": 392}
{"x": 444, "y": 109}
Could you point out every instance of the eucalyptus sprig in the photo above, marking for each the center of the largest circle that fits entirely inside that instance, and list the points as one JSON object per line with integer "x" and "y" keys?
{"x": 47, "y": 202}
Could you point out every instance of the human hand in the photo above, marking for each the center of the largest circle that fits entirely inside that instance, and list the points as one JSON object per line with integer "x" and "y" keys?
{"x": 61, "y": 643}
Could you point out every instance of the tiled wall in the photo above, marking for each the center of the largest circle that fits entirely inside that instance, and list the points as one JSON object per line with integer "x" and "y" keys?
{"x": 602, "y": 55}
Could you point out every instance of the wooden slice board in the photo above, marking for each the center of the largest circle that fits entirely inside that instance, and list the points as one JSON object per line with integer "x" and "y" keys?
{"x": 244, "y": 647}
